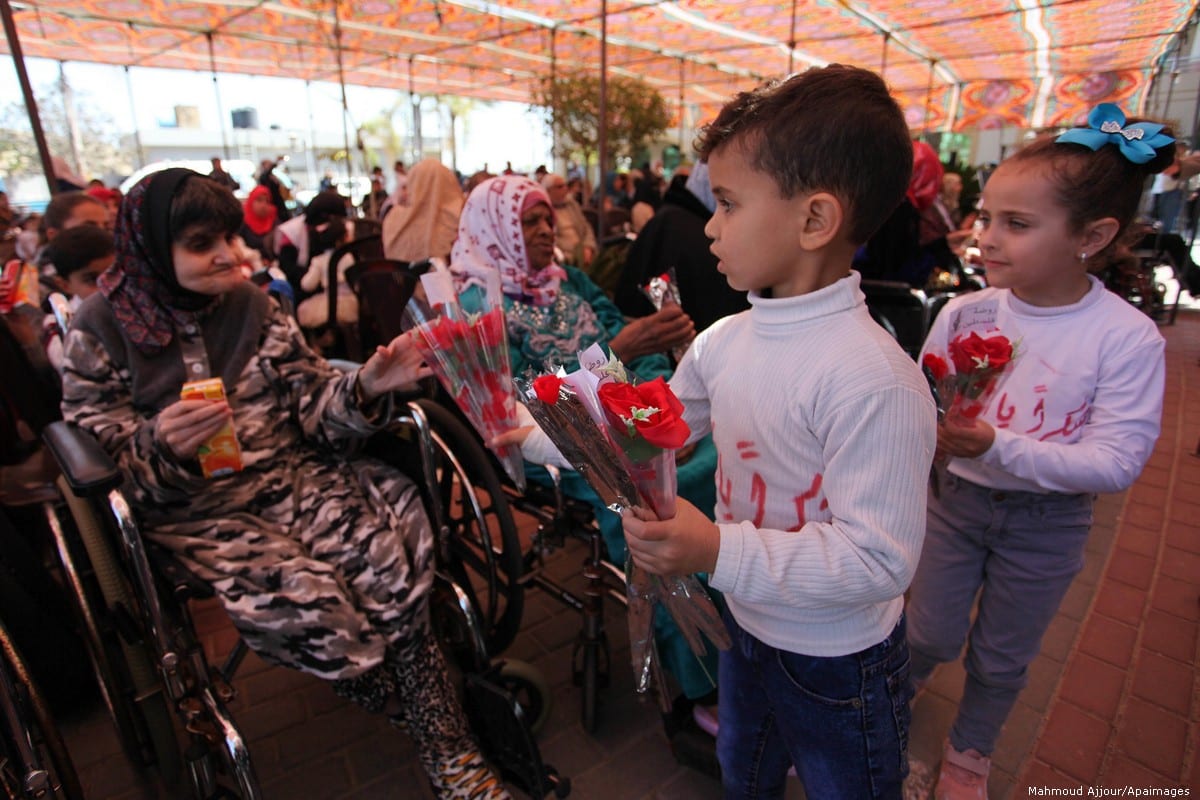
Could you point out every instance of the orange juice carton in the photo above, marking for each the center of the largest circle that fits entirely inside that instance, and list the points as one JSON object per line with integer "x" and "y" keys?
{"x": 220, "y": 455}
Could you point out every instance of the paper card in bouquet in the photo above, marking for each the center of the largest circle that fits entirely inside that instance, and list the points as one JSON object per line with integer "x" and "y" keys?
{"x": 464, "y": 340}
{"x": 621, "y": 436}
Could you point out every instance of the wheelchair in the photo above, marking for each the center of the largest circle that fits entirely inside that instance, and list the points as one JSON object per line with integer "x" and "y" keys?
{"x": 34, "y": 761}
{"x": 486, "y": 555}
{"x": 169, "y": 704}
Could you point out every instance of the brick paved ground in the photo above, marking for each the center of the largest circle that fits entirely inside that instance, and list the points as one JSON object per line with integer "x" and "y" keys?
{"x": 1113, "y": 700}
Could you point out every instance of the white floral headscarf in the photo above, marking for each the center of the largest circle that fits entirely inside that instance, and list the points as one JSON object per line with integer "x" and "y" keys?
{"x": 490, "y": 238}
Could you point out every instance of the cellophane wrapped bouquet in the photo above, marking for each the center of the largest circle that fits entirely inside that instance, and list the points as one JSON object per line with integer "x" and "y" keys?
{"x": 661, "y": 290}
{"x": 621, "y": 436}
{"x": 965, "y": 379}
{"x": 464, "y": 340}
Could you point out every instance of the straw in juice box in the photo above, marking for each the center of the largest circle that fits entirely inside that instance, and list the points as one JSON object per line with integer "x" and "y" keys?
{"x": 221, "y": 454}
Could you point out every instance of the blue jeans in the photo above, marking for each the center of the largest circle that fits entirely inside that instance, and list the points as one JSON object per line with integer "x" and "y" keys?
{"x": 1017, "y": 552}
{"x": 841, "y": 721}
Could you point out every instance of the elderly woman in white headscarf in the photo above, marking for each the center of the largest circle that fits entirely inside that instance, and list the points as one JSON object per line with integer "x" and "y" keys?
{"x": 555, "y": 311}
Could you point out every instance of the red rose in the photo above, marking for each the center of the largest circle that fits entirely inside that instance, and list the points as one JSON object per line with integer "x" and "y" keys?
{"x": 546, "y": 388}
{"x": 491, "y": 328}
{"x": 972, "y": 353}
{"x": 936, "y": 365}
{"x": 650, "y": 409}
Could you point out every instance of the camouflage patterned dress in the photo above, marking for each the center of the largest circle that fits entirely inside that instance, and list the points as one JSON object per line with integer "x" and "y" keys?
{"x": 323, "y": 561}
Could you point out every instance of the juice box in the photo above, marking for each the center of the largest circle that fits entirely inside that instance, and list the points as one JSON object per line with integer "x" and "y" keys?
{"x": 220, "y": 455}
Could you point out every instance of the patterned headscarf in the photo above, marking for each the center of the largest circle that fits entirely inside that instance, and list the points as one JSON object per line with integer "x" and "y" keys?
{"x": 490, "y": 238}
{"x": 426, "y": 227}
{"x": 141, "y": 286}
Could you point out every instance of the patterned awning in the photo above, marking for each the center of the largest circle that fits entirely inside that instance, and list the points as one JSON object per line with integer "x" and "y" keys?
{"x": 953, "y": 65}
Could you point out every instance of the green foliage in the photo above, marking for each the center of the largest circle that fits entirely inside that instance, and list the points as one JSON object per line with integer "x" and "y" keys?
{"x": 102, "y": 153}
{"x": 637, "y": 113}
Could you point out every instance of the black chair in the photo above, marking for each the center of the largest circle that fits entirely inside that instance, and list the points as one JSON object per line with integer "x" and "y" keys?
{"x": 383, "y": 287}
{"x": 365, "y": 228}
{"x": 347, "y": 344}
{"x": 901, "y": 311}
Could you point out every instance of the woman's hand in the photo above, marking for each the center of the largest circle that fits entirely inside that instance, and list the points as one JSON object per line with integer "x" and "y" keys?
{"x": 964, "y": 438}
{"x": 396, "y": 365}
{"x": 657, "y": 333}
{"x": 185, "y": 425}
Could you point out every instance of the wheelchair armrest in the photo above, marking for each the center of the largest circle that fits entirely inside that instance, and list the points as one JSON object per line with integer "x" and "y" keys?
{"x": 86, "y": 466}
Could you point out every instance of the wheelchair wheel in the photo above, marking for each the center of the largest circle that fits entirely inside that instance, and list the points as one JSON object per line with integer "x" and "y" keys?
{"x": 528, "y": 687}
{"x": 483, "y": 552}
{"x": 34, "y": 761}
{"x": 124, "y": 666}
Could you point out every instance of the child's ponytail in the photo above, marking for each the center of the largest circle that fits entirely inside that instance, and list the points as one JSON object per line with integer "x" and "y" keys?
{"x": 1101, "y": 170}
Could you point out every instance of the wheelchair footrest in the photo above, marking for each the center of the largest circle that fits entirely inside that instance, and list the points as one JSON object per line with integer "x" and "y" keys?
{"x": 503, "y": 731}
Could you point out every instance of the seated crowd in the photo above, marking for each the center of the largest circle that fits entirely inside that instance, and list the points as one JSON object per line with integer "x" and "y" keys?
{"x": 803, "y": 488}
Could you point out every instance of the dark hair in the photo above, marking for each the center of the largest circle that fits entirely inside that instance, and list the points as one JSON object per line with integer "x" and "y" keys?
{"x": 74, "y": 249}
{"x": 323, "y": 207}
{"x": 60, "y": 209}
{"x": 834, "y": 129}
{"x": 203, "y": 203}
{"x": 1093, "y": 184}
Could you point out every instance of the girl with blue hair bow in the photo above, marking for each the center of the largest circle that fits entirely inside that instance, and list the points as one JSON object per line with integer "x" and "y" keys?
{"x": 1078, "y": 413}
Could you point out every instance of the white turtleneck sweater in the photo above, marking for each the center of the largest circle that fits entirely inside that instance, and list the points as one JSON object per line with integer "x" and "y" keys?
{"x": 1079, "y": 409}
{"x": 825, "y": 430}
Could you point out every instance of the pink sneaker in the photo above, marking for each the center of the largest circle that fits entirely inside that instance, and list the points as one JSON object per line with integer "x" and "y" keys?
{"x": 963, "y": 775}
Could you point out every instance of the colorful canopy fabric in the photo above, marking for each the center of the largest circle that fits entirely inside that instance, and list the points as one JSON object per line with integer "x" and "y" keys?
{"x": 955, "y": 65}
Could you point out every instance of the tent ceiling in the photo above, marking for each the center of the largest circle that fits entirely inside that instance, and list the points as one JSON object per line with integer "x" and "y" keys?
{"x": 963, "y": 64}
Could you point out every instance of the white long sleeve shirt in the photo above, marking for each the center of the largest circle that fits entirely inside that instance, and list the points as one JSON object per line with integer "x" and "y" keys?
{"x": 825, "y": 431}
{"x": 1080, "y": 407}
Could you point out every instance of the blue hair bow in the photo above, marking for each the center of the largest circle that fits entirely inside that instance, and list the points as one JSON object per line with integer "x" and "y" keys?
{"x": 1106, "y": 125}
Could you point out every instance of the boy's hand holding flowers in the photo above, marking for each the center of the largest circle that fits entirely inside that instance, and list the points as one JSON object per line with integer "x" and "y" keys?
{"x": 688, "y": 542}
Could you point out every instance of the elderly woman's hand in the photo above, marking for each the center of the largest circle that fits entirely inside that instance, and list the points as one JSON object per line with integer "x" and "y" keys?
{"x": 657, "y": 333}
{"x": 396, "y": 365}
{"x": 185, "y": 425}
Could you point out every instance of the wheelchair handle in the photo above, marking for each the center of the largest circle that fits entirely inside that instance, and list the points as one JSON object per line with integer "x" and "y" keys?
{"x": 86, "y": 466}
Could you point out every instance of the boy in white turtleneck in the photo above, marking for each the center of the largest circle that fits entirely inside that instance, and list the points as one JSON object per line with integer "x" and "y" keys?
{"x": 825, "y": 432}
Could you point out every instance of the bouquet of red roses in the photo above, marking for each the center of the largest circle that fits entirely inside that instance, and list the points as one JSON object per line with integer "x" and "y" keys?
{"x": 964, "y": 386}
{"x": 625, "y": 448}
{"x": 464, "y": 339}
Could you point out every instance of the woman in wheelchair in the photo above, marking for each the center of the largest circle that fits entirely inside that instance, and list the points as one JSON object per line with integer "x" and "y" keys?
{"x": 322, "y": 558}
{"x": 555, "y": 311}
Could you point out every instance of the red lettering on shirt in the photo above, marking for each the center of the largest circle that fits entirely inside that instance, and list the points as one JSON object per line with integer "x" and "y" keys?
{"x": 724, "y": 487}
{"x": 1076, "y": 419}
{"x": 801, "y": 499}
{"x": 1039, "y": 411}
{"x": 758, "y": 496}
{"x": 1004, "y": 411}
{"x": 746, "y": 450}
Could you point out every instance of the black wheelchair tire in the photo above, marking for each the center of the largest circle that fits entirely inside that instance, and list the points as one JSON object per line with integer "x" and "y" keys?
{"x": 487, "y": 565}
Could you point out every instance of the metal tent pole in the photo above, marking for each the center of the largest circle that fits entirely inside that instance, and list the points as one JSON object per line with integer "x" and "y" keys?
{"x": 212, "y": 63}
{"x": 337, "y": 38}
{"x": 603, "y": 126}
{"x": 137, "y": 135}
{"x": 792, "y": 40}
{"x": 35, "y": 121}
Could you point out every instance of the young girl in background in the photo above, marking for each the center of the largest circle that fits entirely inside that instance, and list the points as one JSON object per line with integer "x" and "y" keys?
{"x": 1078, "y": 413}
